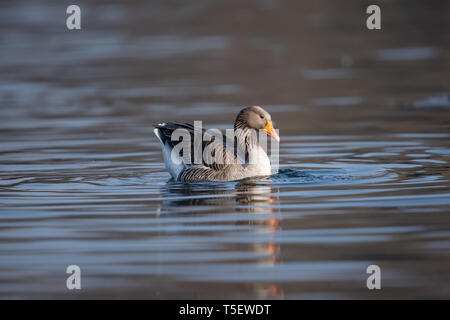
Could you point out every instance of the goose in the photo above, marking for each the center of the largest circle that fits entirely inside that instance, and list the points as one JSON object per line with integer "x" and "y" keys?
{"x": 210, "y": 156}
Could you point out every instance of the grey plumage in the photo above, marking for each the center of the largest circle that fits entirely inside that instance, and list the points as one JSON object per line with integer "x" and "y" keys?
{"x": 225, "y": 159}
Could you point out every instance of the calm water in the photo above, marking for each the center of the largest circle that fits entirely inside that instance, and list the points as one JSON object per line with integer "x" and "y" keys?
{"x": 364, "y": 119}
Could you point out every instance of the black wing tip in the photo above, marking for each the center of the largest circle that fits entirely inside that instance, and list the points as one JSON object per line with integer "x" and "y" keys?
{"x": 159, "y": 125}
{"x": 171, "y": 124}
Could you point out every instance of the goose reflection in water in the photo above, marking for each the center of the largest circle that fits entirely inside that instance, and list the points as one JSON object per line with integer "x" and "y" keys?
{"x": 256, "y": 197}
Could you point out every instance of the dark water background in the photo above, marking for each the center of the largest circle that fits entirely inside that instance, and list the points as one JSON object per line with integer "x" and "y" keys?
{"x": 364, "y": 118}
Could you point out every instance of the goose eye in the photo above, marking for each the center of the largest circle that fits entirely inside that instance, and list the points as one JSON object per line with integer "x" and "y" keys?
{"x": 262, "y": 117}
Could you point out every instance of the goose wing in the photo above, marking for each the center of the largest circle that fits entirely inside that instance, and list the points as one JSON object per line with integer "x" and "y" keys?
{"x": 214, "y": 153}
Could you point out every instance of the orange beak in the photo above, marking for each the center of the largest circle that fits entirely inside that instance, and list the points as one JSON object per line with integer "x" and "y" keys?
{"x": 271, "y": 131}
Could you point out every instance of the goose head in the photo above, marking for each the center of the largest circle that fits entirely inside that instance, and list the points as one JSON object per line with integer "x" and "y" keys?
{"x": 256, "y": 118}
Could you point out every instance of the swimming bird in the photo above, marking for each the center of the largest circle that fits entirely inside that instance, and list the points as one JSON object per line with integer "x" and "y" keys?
{"x": 208, "y": 155}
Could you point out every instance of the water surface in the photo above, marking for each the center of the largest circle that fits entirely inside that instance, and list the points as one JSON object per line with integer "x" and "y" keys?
{"x": 364, "y": 155}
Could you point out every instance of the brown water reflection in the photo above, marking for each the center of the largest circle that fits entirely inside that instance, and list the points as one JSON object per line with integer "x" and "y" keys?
{"x": 260, "y": 202}
{"x": 364, "y": 118}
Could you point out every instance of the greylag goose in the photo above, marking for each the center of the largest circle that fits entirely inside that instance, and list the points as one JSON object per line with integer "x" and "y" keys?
{"x": 212, "y": 156}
